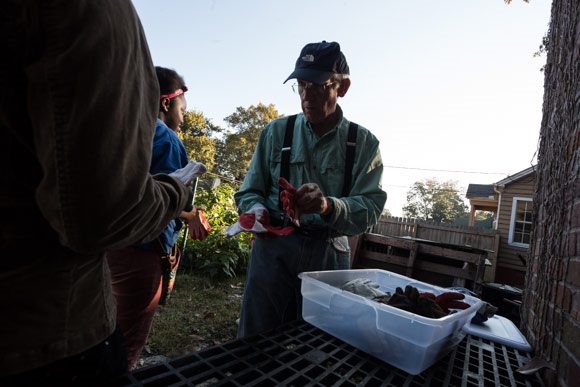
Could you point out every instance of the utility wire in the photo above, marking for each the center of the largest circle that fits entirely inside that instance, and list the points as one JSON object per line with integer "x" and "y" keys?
{"x": 445, "y": 170}
{"x": 232, "y": 180}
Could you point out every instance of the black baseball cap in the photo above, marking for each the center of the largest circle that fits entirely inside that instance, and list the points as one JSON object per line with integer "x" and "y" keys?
{"x": 318, "y": 62}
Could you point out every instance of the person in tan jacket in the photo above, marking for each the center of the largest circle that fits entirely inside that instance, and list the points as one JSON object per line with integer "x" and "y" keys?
{"x": 78, "y": 105}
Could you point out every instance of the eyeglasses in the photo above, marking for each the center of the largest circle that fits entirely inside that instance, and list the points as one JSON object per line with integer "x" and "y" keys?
{"x": 301, "y": 87}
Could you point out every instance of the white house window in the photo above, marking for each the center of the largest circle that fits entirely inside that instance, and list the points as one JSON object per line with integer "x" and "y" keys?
{"x": 521, "y": 222}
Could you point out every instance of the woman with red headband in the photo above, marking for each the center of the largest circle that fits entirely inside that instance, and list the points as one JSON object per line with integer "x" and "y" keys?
{"x": 139, "y": 272}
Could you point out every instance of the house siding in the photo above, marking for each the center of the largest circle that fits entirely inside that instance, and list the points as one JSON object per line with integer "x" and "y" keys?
{"x": 507, "y": 260}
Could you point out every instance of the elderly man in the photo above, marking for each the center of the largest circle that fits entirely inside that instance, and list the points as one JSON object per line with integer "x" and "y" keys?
{"x": 336, "y": 168}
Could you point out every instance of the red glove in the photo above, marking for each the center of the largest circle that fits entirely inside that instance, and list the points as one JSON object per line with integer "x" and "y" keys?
{"x": 450, "y": 300}
{"x": 199, "y": 227}
{"x": 287, "y": 197}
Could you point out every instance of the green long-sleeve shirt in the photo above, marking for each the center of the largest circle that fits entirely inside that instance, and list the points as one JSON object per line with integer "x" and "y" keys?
{"x": 319, "y": 160}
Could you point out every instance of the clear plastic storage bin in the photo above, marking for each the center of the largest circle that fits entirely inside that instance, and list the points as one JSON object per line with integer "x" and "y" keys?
{"x": 403, "y": 339}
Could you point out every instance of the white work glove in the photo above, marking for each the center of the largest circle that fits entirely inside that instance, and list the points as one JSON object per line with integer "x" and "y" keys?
{"x": 192, "y": 170}
{"x": 363, "y": 287}
{"x": 252, "y": 221}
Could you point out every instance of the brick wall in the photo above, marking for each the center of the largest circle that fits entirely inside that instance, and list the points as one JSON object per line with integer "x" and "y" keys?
{"x": 551, "y": 310}
{"x": 551, "y": 307}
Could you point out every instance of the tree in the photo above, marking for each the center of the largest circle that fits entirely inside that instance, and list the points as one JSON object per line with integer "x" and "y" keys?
{"x": 216, "y": 255}
{"x": 197, "y": 134}
{"x": 432, "y": 200}
{"x": 236, "y": 150}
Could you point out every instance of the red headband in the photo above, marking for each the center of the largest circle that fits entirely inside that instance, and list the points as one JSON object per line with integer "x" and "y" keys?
{"x": 175, "y": 93}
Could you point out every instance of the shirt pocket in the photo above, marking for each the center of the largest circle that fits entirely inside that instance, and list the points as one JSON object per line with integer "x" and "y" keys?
{"x": 297, "y": 163}
{"x": 332, "y": 176}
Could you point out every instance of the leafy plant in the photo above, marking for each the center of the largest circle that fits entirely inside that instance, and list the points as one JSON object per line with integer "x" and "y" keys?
{"x": 219, "y": 256}
{"x": 216, "y": 256}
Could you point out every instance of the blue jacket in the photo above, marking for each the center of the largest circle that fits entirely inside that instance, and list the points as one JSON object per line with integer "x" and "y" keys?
{"x": 169, "y": 154}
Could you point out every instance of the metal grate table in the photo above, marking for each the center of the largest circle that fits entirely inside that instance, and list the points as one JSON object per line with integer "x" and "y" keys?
{"x": 299, "y": 354}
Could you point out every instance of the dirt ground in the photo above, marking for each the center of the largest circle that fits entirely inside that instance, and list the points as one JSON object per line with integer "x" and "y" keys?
{"x": 199, "y": 314}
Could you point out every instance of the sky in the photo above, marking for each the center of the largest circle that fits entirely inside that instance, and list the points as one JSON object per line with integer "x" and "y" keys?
{"x": 451, "y": 88}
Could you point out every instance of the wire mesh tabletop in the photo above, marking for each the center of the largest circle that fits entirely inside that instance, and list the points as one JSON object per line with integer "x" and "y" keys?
{"x": 299, "y": 354}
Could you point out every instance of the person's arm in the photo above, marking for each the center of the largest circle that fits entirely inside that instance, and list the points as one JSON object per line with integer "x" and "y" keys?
{"x": 94, "y": 98}
{"x": 255, "y": 188}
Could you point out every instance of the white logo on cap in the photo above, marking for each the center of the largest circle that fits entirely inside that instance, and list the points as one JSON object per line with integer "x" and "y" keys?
{"x": 308, "y": 58}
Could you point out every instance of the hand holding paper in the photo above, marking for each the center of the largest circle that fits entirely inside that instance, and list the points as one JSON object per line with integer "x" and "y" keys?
{"x": 192, "y": 170}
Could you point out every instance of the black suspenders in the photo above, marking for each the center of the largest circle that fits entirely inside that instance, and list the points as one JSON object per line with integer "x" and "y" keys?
{"x": 287, "y": 148}
{"x": 348, "y": 164}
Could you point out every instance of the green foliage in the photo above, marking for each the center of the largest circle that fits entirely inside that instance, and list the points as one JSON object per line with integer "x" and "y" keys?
{"x": 235, "y": 153}
{"x": 484, "y": 219}
{"x": 479, "y": 221}
{"x": 483, "y": 215}
{"x": 436, "y": 201}
{"x": 220, "y": 257}
{"x": 229, "y": 157}
{"x": 196, "y": 133}
{"x": 217, "y": 256}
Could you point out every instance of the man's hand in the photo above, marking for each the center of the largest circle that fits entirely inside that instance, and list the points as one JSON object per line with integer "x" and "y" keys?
{"x": 309, "y": 199}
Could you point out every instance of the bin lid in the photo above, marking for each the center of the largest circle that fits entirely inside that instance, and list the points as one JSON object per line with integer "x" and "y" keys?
{"x": 501, "y": 330}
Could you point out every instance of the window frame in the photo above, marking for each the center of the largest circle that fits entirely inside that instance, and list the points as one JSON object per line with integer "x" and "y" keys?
{"x": 515, "y": 201}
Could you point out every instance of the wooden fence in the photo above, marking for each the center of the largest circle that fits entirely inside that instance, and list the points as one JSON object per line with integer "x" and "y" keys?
{"x": 480, "y": 238}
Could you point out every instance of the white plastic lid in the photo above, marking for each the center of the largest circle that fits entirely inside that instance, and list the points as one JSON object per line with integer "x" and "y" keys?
{"x": 501, "y": 330}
